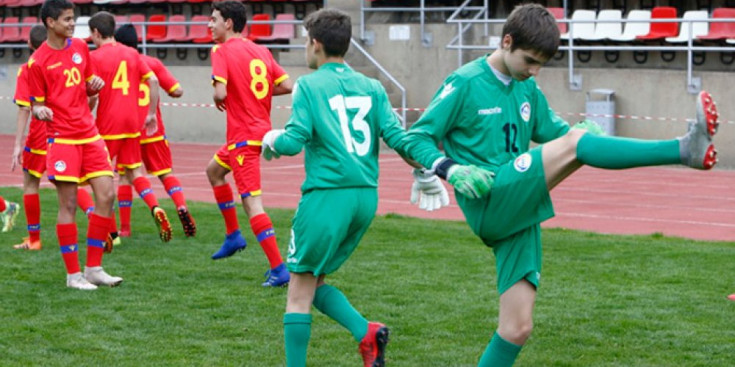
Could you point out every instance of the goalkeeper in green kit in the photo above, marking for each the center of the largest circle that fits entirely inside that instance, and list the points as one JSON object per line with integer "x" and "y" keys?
{"x": 338, "y": 117}
{"x": 486, "y": 114}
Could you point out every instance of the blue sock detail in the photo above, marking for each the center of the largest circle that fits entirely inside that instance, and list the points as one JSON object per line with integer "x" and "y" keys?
{"x": 34, "y": 227}
{"x": 145, "y": 192}
{"x": 95, "y": 243}
{"x": 69, "y": 248}
{"x": 268, "y": 233}
{"x": 174, "y": 190}
{"x": 227, "y": 205}
{"x": 125, "y": 203}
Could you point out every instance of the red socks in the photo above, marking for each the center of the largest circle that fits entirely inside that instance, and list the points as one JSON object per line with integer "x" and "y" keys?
{"x": 99, "y": 228}
{"x": 223, "y": 195}
{"x": 67, "y": 234}
{"x": 85, "y": 201}
{"x": 143, "y": 187}
{"x": 32, "y": 205}
{"x": 174, "y": 190}
{"x": 125, "y": 203}
{"x": 263, "y": 230}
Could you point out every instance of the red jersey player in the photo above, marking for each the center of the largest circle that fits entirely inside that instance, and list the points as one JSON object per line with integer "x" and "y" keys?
{"x": 123, "y": 70}
{"x": 245, "y": 77}
{"x": 60, "y": 78}
{"x": 155, "y": 149}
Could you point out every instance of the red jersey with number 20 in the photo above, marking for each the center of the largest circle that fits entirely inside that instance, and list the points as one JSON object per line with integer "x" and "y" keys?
{"x": 36, "y": 139}
{"x": 249, "y": 72}
{"x": 58, "y": 78}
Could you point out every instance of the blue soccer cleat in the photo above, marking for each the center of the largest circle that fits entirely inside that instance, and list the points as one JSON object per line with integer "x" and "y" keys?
{"x": 234, "y": 242}
{"x": 277, "y": 277}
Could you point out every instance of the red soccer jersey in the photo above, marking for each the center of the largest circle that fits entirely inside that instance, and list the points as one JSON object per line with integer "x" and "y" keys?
{"x": 250, "y": 72}
{"x": 168, "y": 82}
{"x": 36, "y": 139}
{"x": 123, "y": 69}
{"x": 58, "y": 78}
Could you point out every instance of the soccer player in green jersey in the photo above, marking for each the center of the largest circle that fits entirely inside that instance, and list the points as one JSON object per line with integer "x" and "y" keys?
{"x": 486, "y": 114}
{"x": 338, "y": 117}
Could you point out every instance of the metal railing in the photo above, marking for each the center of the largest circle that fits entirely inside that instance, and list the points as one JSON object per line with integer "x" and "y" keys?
{"x": 693, "y": 84}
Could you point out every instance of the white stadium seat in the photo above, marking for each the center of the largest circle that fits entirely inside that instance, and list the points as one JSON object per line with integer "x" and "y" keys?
{"x": 634, "y": 29}
{"x": 698, "y": 28}
{"x": 81, "y": 28}
{"x": 607, "y": 29}
{"x": 581, "y": 29}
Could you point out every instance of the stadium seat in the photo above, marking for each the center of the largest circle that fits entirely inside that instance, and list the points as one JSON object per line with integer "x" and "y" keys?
{"x": 661, "y": 30}
{"x": 11, "y": 33}
{"x": 120, "y": 20}
{"x": 720, "y": 31}
{"x": 25, "y": 31}
{"x": 80, "y": 2}
{"x": 634, "y": 29}
{"x": 23, "y": 3}
{"x": 81, "y": 29}
{"x": 605, "y": 30}
{"x": 259, "y": 30}
{"x": 174, "y": 32}
{"x": 137, "y": 18}
{"x": 156, "y": 31}
{"x": 586, "y": 29}
{"x": 698, "y": 28}
{"x": 199, "y": 33}
{"x": 559, "y": 14}
{"x": 282, "y": 32}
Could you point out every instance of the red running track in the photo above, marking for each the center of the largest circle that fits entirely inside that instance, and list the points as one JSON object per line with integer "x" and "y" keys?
{"x": 671, "y": 200}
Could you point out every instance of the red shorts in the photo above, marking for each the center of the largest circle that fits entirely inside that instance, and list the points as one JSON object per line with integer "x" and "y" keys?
{"x": 244, "y": 162}
{"x": 127, "y": 152}
{"x": 157, "y": 157}
{"x": 78, "y": 162}
{"x": 34, "y": 163}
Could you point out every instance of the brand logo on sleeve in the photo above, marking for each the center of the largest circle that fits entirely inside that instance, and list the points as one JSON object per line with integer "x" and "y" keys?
{"x": 76, "y": 58}
{"x": 522, "y": 162}
{"x": 526, "y": 111}
{"x": 448, "y": 88}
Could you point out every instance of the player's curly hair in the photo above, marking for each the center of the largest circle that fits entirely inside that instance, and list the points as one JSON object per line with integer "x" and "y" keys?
{"x": 532, "y": 27}
{"x": 53, "y": 8}
{"x": 332, "y": 28}
{"x": 234, "y": 10}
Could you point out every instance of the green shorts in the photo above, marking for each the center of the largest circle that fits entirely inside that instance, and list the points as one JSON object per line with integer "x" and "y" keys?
{"x": 509, "y": 219}
{"x": 327, "y": 228}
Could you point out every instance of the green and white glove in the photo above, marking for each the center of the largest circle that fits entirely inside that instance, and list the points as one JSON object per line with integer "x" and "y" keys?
{"x": 591, "y": 126}
{"x": 269, "y": 152}
{"x": 428, "y": 191}
{"x": 471, "y": 181}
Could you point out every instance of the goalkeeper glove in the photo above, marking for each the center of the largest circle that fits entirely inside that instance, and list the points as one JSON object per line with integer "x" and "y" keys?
{"x": 471, "y": 181}
{"x": 269, "y": 152}
{"x": 591, "y": 126}
{"x": 427, "y": 191}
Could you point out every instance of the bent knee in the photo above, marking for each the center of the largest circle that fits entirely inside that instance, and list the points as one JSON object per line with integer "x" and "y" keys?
{"x": 517, "y": 333}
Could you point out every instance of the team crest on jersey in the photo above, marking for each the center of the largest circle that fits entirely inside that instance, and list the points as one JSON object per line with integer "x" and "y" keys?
{"x": 240, "y": 158}
{"x": 526, "y": 111}
{"x": 60, "y": 166}
{"x": 76, "y": 58}
{"x": 522, "y": 162}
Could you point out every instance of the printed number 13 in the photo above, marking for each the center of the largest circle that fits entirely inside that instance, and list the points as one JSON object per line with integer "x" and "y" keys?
{"x": 363, "y": 105}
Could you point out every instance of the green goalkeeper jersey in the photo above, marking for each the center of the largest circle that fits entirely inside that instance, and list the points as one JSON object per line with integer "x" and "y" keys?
{"x": 338, "y": 115}
{"x": 481, "y": 121}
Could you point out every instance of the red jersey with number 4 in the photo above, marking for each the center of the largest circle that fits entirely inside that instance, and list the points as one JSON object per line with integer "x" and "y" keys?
{"x": 123, "y": 70}
{"x": 250, "y": 72}
{"x": 36, "y": 139}
{"x": 58, "y": 78}
{"x": 168, "y": 82}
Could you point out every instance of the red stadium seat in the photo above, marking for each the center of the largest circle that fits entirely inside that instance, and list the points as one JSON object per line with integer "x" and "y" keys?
{"x": 23, "y": 3}
{"x": 25, "y": 31}
{"x": 661, "y": 30}
{"x": 174, "y": 32}
{"x": 200, "y": 33}
{"x": 559, "y": 14}
{"x": 720, "y": 30}
{"x": 259, "y": 30}
{"x": 82, "y": 1}
{"x": 282, "y": 32}
{"x": 156, "y": 31}
{"x": 120, "y": 20}
{"x": 11, "y": 33}
{"x": 135, "y": 18}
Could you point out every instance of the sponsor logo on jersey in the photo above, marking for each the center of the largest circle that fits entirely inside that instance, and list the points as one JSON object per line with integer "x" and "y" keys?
{"x": 60, "y": 166}
{"x": 54, "y": 66}
{"x": 522, "y": 162}
{"x": 240, "y": 158}
{"x": 490, "y": 111}
{"x": 76, "y": 58}
{"x": 448, "y": 88}
{"x": 526, "y": 111}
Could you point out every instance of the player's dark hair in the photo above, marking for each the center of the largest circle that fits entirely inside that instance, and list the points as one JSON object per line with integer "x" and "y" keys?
{"x": 37, "y": 36}
{"x": 104, "y": 23}
{"x": 332, "y": 28}
{"x": 53, "y": 9}
{"x": 127, "y": 35}
{"x": 233, "y": 10}
{"x": 532, "y": 27}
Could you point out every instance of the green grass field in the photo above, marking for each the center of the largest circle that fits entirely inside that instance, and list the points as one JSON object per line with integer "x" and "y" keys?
{"x": 604, "y": 300}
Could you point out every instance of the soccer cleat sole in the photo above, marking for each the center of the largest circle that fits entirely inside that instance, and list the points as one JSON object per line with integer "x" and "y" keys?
{"x": 164, "y": 226}
{"x": 187, "y": 222}
{"x": 707, "y": 107}
{"x": 382, "y": 336}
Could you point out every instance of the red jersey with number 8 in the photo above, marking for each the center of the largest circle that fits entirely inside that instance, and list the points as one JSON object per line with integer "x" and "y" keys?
{"x": 249, "y": 72}
{"x": 58, "y": 78}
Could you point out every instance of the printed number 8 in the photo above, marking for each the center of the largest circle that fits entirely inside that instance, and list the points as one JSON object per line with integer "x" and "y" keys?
{"x": 259, "y": 83}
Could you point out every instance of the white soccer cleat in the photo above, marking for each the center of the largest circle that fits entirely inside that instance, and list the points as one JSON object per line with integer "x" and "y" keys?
{"x": 77, "y": 281}
{"x": 9, "y": 215}
{"x": 97, "y": 276}
{"x": 696, "y": 148}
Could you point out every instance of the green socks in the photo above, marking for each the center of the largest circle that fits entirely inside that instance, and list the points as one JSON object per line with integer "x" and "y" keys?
{"x": 618, "y": 153}
{"x": 499, "y": 353}
{"x": 333, "y": 303}
{"x": 296, "y": 332}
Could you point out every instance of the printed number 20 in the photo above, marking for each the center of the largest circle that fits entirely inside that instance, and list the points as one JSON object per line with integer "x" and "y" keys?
{"x": 363, "y": 105}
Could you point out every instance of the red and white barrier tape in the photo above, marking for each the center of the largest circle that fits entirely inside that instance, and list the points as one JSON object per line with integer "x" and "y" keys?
{"x": 577, "y": 114}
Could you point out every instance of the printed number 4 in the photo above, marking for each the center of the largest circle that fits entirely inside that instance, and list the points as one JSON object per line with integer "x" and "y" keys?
{"x": 362, "y": 105}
